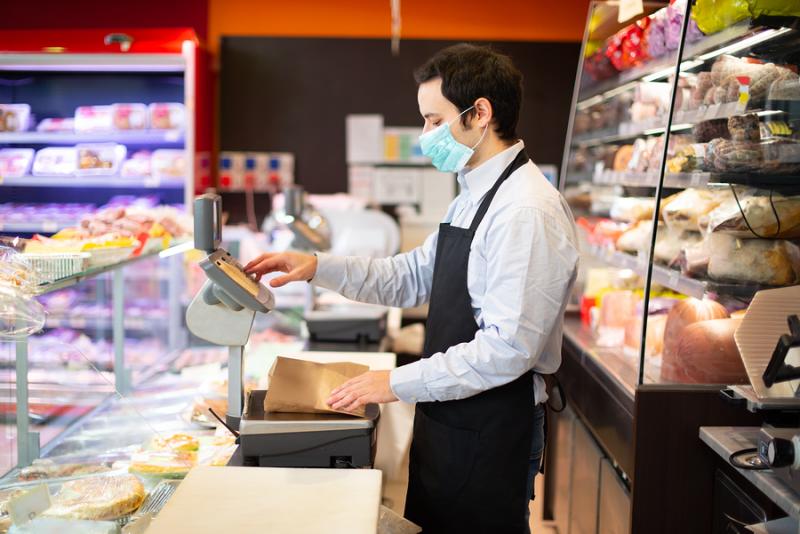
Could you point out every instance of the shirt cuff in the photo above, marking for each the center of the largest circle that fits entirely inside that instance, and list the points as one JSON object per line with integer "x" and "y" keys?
{"x": 330, "y": 271}
{"x": 407, "y": 383}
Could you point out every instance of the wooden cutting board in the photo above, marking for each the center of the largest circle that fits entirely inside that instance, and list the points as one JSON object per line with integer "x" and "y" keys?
{"x": 263, "y": 500}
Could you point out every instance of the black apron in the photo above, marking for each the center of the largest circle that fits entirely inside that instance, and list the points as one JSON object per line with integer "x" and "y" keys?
{"x": 469, "y": 458}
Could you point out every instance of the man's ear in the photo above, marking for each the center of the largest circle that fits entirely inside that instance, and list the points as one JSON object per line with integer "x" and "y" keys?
{"x": 483, "y": 112}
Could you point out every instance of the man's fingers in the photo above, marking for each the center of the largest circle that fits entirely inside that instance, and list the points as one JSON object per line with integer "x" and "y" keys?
{"x": 291, "y": 276}
{"x": 266, "y": 265}
{"x": 259, "y": 259}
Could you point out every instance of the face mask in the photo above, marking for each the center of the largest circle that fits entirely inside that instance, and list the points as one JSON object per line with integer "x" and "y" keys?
{"x": 447, "y": 154}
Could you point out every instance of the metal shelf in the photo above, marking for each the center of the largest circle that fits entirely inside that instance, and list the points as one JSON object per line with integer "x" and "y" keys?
{"x": 44, "y": 227}
{"x": 650, "y": 179}
{"x": 107, "y": 182}
{"x": 93, "y": 62}
{"x": 130, "y": 137}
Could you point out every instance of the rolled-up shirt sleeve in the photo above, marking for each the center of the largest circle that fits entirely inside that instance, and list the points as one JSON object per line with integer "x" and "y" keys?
{"x": 531, "y": 266}
{"x": 403, "y": 280}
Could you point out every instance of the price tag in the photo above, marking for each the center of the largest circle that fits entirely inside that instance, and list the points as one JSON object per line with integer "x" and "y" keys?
{"x": 29, "y": 505}
{"x": 629, "y": 9}
{"x": 139, "y": 526}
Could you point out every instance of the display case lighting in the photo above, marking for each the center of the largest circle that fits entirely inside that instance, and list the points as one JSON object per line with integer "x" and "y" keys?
{"x": 745, "y": 43}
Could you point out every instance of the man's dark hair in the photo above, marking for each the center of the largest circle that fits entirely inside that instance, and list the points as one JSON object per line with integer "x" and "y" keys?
{"x": 469, "y": 72}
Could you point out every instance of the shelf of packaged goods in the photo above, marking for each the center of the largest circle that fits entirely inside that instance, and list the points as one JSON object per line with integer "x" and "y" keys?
{"x": 67, "y": 62}
{"x": 673, "y": 279}
{"x": 650, "y": 179}
{"x": 661, "y": 275}
{"x": 694, "y": 55}
{"x": 109, "y": 182}
{"x": 684, "y": 120}
{"x": 130, "y": 137}
{"x": 61, "y": 283}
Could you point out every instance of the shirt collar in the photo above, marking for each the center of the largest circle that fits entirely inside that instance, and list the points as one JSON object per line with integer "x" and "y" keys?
{"x": 478, "y": 181}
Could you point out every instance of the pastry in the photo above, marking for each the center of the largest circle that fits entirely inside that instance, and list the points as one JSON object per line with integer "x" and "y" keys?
{"x": 682, "y": 211}
{"x": 98, "y": 498}
{"x": 163, "y": 463}
{"x": 759, "y": 261}
{"x": 744, "y": 128}
{"x": 45, "y": 469}
{"x": 176, "y": 442}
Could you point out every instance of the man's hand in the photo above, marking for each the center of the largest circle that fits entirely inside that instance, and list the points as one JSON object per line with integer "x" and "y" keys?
{"x": 297, "y": 266}
{"x": 372, "y": 386}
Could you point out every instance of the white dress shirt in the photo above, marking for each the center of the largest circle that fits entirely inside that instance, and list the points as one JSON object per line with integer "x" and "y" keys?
{"x": 522, "y": 265}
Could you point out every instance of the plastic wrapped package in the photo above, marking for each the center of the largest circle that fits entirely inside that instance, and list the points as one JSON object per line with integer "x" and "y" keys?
{"x": 14, "y": 117}
{"x": 616, "y": 309}
{"x": 56, "y": 125}
{"x": 169, "y": 163}
{"x": 20, "y": 314}
{"x": 670, "y": 245}
{"x": 636, "y": 239}
{"x": 723, "y": 155}
{"x": 632, "y": 209}
{"x": 139, "y": 164}
{"x": 654, "y": 344}
{"x": 166, "y": 116}
{"x": 626, "y": 48}
{"x": 129, "y": 116}
{"x": 176, "y": 442}
{"x": 46, "y": 469}
{"x": 744, "y": 128}
{"x": 688, "y": 158}
{"x": 772, "y": 262}
{"x": 100, "y": 159}
{"x": 55, "y": 161}
{"x": 93, "y": 119}
{"x": 163, "y": 464}
{"x": 712, "y": 16}
{"x": 655, "y": 34}
{"x": 675, "y": 13}
{"x": 15, "y": 162}
{"x": 683, "y": 211}
{"x": 97, "y": 498}
{"x": 756, "y": 216}
{"x": 774, "y": 8}
{"x": 705, "y": 131}
{"x": 599, "y": 66}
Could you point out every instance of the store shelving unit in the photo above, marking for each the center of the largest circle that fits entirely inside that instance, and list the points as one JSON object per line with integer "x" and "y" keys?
{"x": 634, "y": 407}
{"x": 166, "y": 138}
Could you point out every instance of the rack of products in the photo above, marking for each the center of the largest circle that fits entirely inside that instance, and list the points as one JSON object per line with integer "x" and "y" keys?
{"x": 682, "y": 168}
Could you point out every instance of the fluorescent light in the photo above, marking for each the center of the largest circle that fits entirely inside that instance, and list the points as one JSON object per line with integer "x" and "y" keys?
{"x": 687, "y": 65}
{"x": 658, "y": 75}
{"x": 745, "y": 43}
{"x": 619, "y": 90}
{"x": 589, "y": 102}
{"x": 177, "y": 249}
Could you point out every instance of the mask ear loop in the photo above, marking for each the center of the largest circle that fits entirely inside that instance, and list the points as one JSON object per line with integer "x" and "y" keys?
{"x": 485, "y": 129}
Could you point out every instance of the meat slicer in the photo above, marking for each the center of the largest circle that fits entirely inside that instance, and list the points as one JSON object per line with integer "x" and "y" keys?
{"x": 222, "y": 313}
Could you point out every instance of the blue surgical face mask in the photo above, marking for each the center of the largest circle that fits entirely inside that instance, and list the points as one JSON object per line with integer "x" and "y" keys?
{"x": 447, "y": 154}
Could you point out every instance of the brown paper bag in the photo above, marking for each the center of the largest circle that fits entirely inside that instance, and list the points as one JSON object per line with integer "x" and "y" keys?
{"x": 303, "y": 386}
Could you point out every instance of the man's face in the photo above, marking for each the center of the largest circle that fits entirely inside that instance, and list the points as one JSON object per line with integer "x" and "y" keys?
{"x": 437, "y": 110}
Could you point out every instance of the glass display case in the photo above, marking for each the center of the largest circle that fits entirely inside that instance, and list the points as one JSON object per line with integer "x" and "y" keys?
{"x": 682, "y": 167}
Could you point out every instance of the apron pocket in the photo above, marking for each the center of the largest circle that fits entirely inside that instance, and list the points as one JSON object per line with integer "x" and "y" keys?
{"x": 445, "y": 456}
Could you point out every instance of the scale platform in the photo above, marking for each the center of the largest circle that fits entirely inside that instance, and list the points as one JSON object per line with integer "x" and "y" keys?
{"x": 306, "y": 440}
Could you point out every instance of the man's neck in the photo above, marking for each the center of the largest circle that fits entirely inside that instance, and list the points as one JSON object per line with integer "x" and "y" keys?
{"x": 489, "y": 148}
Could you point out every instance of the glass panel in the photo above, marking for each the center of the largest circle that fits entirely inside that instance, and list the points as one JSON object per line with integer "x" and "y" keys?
{"x": 730, "y": 206}
{"x": 612, "y": 167}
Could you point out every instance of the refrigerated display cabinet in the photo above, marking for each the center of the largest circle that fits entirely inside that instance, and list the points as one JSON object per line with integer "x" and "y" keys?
{"x": 682, "y": 167}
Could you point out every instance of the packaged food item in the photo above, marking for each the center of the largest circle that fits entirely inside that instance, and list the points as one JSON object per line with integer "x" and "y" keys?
{"x": 687, "y": 159}
{"x": 723, "y": 155}
{"x": 129, "y": 116}
{"x": 93, "y": 119}
{"x": 712, "y": 16}
{"x": 675, "y": 14}
{"x": 623, "y": 157}
{"x": 98, "y": 497}
{"x": 632, "y": 209}
{"x": 169, "y": 163}
{"x": 625, "y": 48}
{"x": 772, "y": 262}
{"x": 599, "y": 66}
{"x": 706, "y": 353}
{"x": 176, "y": 442}
{"x": 166, "y": 116}
{"x": 139, "y": 164}
{"x": 15, "y": 162}
{"x": 55, "y": 161}
{"x": 685, "y": 313}
{"x": 670, "y": 244}
{"x": 773, "y": 8}
{"x": 745, "y": 128}
{"x": 654, "y": 343}
{"x": 167, "y": 464}
{"x": 683, "y": 211}
{"x": 705, "y": 131}
{"x": 616, "y": 309}
{"x": 655, "y": 34}
{"x": 100, "y": 159}
{"x": 637, "y": 238}
{"x": 56, "y": 125}
{"x": 759, "y": 212}
{"x": 14, "y": 117}
{"x": 43, "y": 469}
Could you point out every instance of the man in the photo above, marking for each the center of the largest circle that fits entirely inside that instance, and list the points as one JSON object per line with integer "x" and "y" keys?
{"x": 497, "y": 275}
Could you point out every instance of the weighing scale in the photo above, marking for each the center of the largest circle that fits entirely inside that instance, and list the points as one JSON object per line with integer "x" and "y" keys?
{"x": 222, "y": 313}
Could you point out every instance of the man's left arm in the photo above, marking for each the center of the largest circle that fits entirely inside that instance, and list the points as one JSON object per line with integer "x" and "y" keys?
{"x": 530, "y": 266}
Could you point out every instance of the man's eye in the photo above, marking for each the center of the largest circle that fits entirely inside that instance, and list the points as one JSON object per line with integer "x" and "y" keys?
{"x": 437, "y": 123}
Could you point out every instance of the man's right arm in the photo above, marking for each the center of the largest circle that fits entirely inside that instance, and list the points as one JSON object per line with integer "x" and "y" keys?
{"x": 403, "y": 280}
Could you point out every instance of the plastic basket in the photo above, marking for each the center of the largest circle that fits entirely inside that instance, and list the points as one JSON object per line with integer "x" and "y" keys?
{"x": 55, "y": 266}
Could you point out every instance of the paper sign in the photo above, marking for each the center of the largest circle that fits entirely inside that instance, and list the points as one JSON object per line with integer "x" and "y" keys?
{"x": 629, "y": 9}
{"x": 29, "y": 505}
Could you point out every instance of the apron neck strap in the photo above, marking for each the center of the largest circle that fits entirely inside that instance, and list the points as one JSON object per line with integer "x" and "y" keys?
{"x": 519, "y": 161}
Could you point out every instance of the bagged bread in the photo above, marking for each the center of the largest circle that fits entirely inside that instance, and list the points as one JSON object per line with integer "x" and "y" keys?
{"x": 632, "y": 209}
{"x": 301, "y": 386}
{"x": 757, "y": 211}
{"x": 759, "y": 261}
{"x": 637, "y": 238}
{"x": 670, "y": 244}
{"x": 683, "y": 211}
